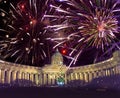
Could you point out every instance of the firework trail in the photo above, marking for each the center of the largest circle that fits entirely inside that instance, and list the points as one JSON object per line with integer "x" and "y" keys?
{"x": 24, "y": 38}
{"x": 85, "y": 24}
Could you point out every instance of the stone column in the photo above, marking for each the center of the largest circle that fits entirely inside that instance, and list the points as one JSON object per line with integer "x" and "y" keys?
{"x": 26, "y": 78}
{"x": 113, "y": 71}
{"x": 72, "y": 76}
{"x": 40, "y": 79}
{"x": 0, "y": 76}
{"x": 56, "y": 77}
{"x": 19, "y": 75}
{"x": 90, "y": 77}
{"x": 23, "y": 82}
{"x": 31, "y": 77}
{"x": 23, "y": 75}
{"x": 3, "y": 76}
{"x": 9, "y": 76}
{"x": 68, "y": 77}
{"x": 44, "y": 79}
{"x": 52, "y": 78}
{"x": 81, "y": 76}
{"x": 94, "y": 74}
{"x": 76, "y": 77}
{"x": 36, "y": 79}
{"x": 13, "y": 75}
{"x": 86, "y": 77}
{"x": 65, "y": 77}
{"x": 49, "y": 79}
{"x": 106, "y": 72}
{"x": 109, "y": 72}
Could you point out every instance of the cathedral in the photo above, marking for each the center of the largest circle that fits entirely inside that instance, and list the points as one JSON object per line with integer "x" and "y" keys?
{"x": 58, "y": 74}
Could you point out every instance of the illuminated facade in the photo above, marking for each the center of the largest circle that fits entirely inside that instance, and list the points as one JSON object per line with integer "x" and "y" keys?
{"x": 15, "y": 74}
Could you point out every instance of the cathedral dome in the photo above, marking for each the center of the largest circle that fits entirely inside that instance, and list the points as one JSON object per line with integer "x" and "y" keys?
{"x": 57, "y": 58}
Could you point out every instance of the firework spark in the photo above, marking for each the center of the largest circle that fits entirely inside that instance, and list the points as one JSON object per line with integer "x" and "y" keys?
{"x": 25, "y": 39}
{"x": 87, "y": 23}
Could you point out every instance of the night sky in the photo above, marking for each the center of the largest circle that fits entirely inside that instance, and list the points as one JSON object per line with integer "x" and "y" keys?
{"x": 87, "y": 57}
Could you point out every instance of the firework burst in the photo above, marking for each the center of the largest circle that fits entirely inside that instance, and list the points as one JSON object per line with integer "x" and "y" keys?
{"x": 87, "y": 23}
{"x": 24, "y": 38}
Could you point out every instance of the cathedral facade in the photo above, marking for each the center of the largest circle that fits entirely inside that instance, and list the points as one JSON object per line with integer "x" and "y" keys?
{"x": 57, "y": 73}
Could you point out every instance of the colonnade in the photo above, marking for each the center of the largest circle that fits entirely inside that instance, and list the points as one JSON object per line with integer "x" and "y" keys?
{"x": 12, "y": 76}
{"x": 10, "y": 73}
{"x": 88, "y": 76}
{"x": 9, "y": 76}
